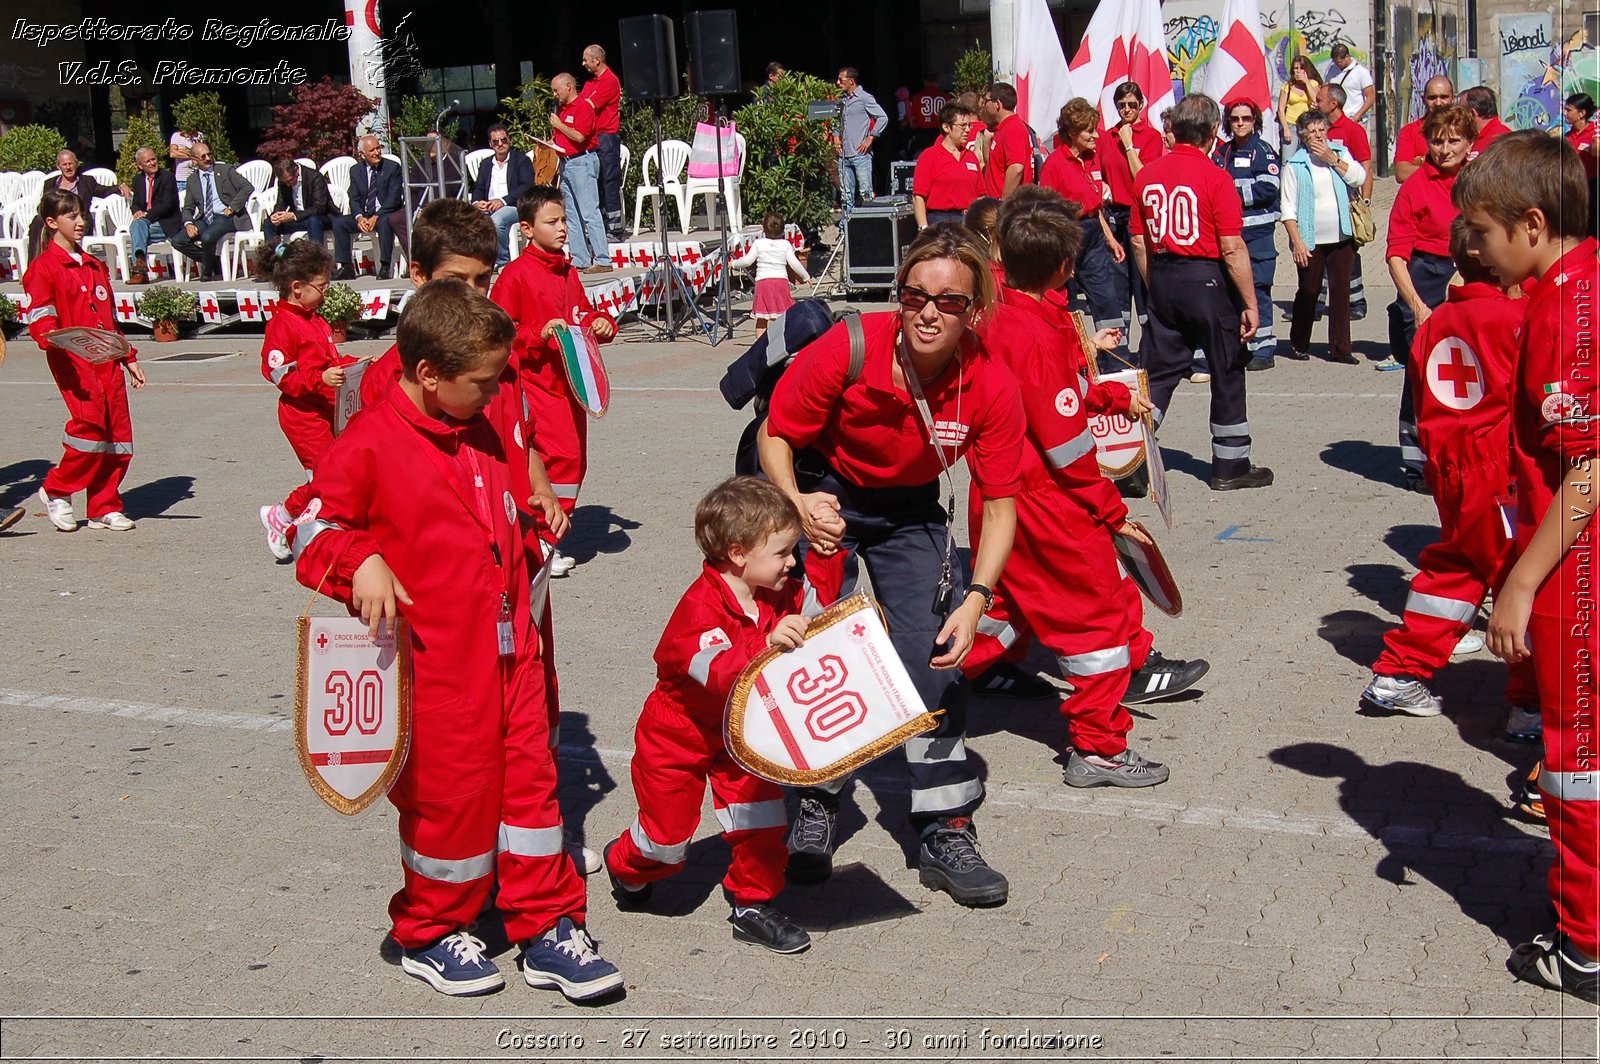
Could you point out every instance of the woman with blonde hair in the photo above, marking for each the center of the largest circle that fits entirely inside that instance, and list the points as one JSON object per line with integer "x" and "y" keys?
{"x": 1299, "y": 95}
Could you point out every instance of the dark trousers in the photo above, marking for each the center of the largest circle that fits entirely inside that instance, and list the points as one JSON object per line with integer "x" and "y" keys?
{"x": 1430, "y": 276}
{"x": 935, "y": 217}
{"x": 1094, "y": 281}
{"x": 314, "y": 226}
{"x": 1335, "y": 260}
{"x": 1126, "y": 277}
{"x": 1263, "y": 264}
{"x": 1193, "y": 306}
{"x": 203, "y": 249}
{"x": 610, "y": 150}
{"x": 346, "y": 225}
{"x": 899, "y": 533}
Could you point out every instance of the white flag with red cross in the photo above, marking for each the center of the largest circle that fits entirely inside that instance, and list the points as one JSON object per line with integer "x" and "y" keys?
{"x": 1237, "y": 69}
{"x": 375, "y": 304}
{"x": 249, "y": 303}
{"x": 210, "y": 308}
{"x": 1126, "y": 41}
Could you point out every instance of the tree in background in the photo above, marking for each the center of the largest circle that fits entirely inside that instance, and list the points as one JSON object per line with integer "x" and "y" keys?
{"x": 415, "y": 118}
{"x": 202, "y": 112}
{"x": 792, "y": 159}
{"x": 25, "y": 148}
{"x": 319, "y": 123}
{"x": 974, "y": 70}
{"x": 144, "y": 131}
{"x": 527, "y": 114}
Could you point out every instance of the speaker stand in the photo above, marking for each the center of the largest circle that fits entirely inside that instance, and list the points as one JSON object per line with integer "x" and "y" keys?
{"x": 672, "y": 276}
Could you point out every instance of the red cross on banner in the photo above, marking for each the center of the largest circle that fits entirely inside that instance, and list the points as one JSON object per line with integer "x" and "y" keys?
{"x": 210, "y": 309}
{"x": 269, "y": 304}
{"x": 643, "y": 257}
{"x": 619, "y": 255}
{"x": 249, "y": 308}
{"x": 689, "y": 252}
{"x": 376, "y": 304}
{"x": 125, "y": 309}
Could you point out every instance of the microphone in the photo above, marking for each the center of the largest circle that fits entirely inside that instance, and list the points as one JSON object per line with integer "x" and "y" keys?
{"x": 439, "y": 121}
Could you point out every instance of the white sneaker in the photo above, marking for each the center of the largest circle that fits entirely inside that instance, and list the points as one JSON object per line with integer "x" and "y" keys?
{"x": 1402, "y": 694}
{"x": 585, "y": 860}
{"x": 1470, "y": 643}
{"x": 561, "y": 564}
{"x": 59, "y": 512}
{"x": 275, "y": 519}
{"x": 1200, "y": 378}
{"x": 116, "y": 521}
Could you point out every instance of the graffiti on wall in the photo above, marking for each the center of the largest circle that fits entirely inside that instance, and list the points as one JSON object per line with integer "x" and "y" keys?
{"x": 1424, "y": 47}
{"x": 1191, "y": 38}
{"x": 1535, "y": 70}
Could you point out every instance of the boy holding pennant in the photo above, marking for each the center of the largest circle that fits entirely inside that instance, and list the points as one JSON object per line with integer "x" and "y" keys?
{"x": 67, "y": 287}
{"x": 542, "y": 293}
{"x": 417, "y": 518}
{"x": 742, "y": 603}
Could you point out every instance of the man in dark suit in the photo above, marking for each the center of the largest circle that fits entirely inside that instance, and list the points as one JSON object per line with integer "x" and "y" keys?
{"x": 375, "y": 194}
{"x": 501, "y": 181}
{"x": 154, "y": 196}
{"x": 214, "y": 201}
{"x": 68, "y": 179}
{"x": 303, "y": 203}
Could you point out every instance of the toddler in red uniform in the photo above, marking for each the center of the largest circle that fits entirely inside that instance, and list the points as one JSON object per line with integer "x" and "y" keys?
{"x": 298, "y": 355}
{"x": 417, "y": 518}
{"x": 67, "y": 287}
{"x": 1461, "y": 377}
{"x": 1526, "y": 204}
{"x": 742, "y": 603}
{"x": 541, "y": 291}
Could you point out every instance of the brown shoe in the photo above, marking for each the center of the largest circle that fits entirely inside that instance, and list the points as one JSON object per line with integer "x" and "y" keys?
{"x": 598, "y": 267}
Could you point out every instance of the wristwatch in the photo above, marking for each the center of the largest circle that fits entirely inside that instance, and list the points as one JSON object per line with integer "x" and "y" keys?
{"x": 984, "y": 590}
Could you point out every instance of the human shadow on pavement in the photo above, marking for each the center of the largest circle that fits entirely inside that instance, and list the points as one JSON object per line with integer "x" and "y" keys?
{"x": 1437, "y": 828}
{"x": 597, "y": 530}
{"x": 1386, "y": 586}
{"x": 19, "y": 480}
{"x": 1184, "y": 462}
{"x": 585, "y": 780}
{"x": 1370, "y": 461}
{"x": 154, "y": 498}
{"x": 1408, "y": 540}
{"x": 1357, "y": 636}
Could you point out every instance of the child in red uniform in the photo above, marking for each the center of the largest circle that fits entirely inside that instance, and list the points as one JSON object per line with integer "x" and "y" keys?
{"x": 297, "y": 355}
{"x": 743, "y": 603}
{"x": 1461, "y": 378}
{"x": 1063, "y": 582}
{"x": 1526, "y": 203}
{"x": 541, "y": 292}
{"x": 417, "y": 519}
{"x": 67, "y": 287}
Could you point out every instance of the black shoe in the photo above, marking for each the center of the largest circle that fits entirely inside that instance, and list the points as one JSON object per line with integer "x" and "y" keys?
{"x": 1295, "y": 356}
{"x": 1135, "y": 485}
{"x": 1254, "y": 477}
{"x": 811, "y": 839}
{"x": 1162, "y": 678}
{"x": 766, "y": 926}
{"x": 342, "y": 273}
{"x": 1551, "y": 961}
{"x": 1345, "y": 360}
{"x": 1007, "y": 681}
{"x": 385, "y": 272}
{"x": 626, "y": 897}
{"x": 1414, "y": 481}
{"x": 1258, "y": 363}
{"x": 950, "y": 862}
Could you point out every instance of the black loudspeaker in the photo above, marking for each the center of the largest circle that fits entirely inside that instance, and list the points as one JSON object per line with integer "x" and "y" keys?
{"x": 649, "y": 57}
{"x": 714, "y": 52}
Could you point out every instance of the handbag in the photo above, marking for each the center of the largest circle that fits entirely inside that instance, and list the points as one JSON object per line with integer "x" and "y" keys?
{"x": 703, "y": 152}
{"x": 1362, "y": 226}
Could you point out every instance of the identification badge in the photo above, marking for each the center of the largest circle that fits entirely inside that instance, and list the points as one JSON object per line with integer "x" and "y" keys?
{"x": 1241, "y": 161}
{"x": 504, "y": 631}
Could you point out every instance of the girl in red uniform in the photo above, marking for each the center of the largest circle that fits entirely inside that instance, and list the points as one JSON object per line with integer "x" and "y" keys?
{"x": 66, "y": 287}
{"x": 297, "y": 355}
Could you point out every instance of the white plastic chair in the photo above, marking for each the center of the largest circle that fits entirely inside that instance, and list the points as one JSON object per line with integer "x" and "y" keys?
{"x": 337, "y": 171}
{"x": 303, "y": 161}
{"x": 33, "y": 186}
{"x": 113, "y": 218}
{"x": 14, "y": 220}
{"x": 98, "y": 226}
{"x": 105, "y": 177}
{"x": 707, "y": 187}
{"x": 258, "y": 172}
{"x": 474, "y": 160}
{"x": 673, "y": 162}
{"x": 624, "y": 157}
{"x": 235, "y": 248}
{"x": 10, "y": 188}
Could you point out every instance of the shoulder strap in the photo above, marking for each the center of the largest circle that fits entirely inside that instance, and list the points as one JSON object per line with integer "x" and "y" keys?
{"x": 858, "y": 348}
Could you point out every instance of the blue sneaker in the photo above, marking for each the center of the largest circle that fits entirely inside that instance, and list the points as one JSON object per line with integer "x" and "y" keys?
{"x": 565, "y": 959}
{"x": 454, "y": 965}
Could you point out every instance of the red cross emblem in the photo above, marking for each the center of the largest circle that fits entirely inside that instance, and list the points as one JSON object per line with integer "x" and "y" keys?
{"x": 269, "y": 307}
{"x": 859, "y": 630}
{"x": 619, "y": 256}
{"x": 1455, "y": 376}
{"x": 378, "y": 303}
{"x": 689, "y": 253}
{"x": 643, "y": 257}
{"x": 209, "y": 307}
{"x": 322, "y": 640}
{"x": 125, "y": 307}
{"x": 248, "y": 307}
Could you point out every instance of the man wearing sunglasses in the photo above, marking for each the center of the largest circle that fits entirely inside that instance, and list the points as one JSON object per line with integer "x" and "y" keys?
{"x": 501, "y": 181}
{"x": 1124, "y": 151}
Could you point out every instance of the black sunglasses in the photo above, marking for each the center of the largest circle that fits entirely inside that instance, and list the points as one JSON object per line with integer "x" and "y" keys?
{"x": 953, "y": 303}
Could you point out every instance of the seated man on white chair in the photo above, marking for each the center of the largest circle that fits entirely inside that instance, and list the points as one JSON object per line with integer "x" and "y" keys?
{"x": 501, "y": 181}
{"x": 303, "y": 204}
{"x": 376, "y": 197}
{"x": 154, "y": 197}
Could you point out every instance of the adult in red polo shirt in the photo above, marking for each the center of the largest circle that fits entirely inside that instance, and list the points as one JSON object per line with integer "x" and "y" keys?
{"x": 1410, "y": 146}
{"x": 1579, "y": 113}
{"x": 870, "y": 491}
{"x": 925, "y": 113}
{"x": 947, "y": 178}
{"x": 1480, "y": 100}
{"x": 1073, "y": 170}
{"x": 604, "y": 93}
{"x": 1128, "y": 146}
{"x": 1187, "y": 238}
{"x": 1010, "y": 147}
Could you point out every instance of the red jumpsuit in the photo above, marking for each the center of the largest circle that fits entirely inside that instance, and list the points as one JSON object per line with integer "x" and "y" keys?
{"x": 1063, "y": 582}
{"x": 678, "y": 746}
{"x": 296, "y": 350}
{"x": 97, "y": 444}
{"x": 538, "y": 287}
{"x": 1553, "y": 429}
{"x": 1461, "y": 380}
{"x": 477, "y": 795}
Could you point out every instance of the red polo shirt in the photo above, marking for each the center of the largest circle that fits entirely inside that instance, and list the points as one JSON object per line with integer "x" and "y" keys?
{"x": 1078, "y": 180}
{"x": 1186, "y": 205}
{"x": 581, "y": 117}
{"x": 946, "y": 182}
{"x": 871, "y": 431}
{"x": 1114, "y": 160}
{"x": 1410, "y": 145}
{"x": 1010, "y": 146}
{"x": 923, "y": 110}
{"x": 1346, "y": 132}
{"x": 973, "y": 131}
{"x": 1491, "y": 131}
{"x": 1553, "y": 409}
{"x": 1586, "y": 146}
{"x": 604, "y": 93}
{"x": 1422, "y": 213}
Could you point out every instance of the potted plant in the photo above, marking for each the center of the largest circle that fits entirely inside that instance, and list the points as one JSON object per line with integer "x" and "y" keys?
{"x": 10, "y": 317}
{"x": 166, "y": 305}
{"x": 340, "y": 306}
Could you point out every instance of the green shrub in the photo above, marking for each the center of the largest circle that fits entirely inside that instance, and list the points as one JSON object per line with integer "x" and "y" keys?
{"x": 974, "y": 70}
{"x": 167, "y": 302}
{"x": 415, "y": 118}
{"x": 340, "y": 303}
{"x": 30, "y": 148}
{"x": 10, "y": 313}
{"x": 792, "y": 158}
{"x": 527, "y": 114}
{"x": 203, "y": 111}
{"x": 144, "y": 131}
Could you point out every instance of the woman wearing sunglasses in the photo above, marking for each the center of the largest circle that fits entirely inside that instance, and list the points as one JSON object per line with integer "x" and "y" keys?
{"x": 1253, "y": 169}
{"x": 859, "y": 461}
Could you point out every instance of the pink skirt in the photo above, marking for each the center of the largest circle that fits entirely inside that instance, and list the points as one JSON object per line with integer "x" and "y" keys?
{"x": 773, "y": 297}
